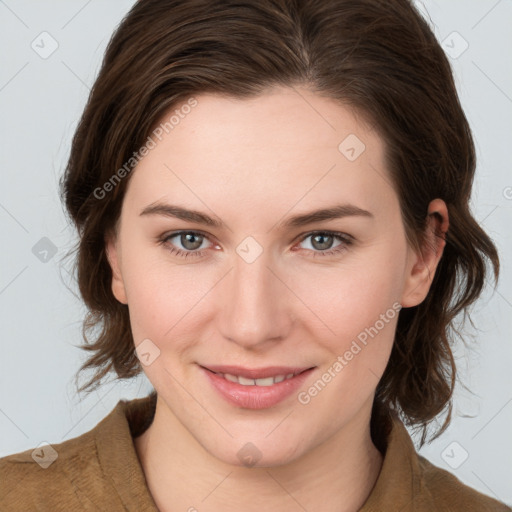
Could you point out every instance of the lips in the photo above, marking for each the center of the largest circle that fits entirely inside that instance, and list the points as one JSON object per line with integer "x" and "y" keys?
{"x": 267, "y": 381}
{"x": 255, "y": 388}
{"x": 261, "y": 373}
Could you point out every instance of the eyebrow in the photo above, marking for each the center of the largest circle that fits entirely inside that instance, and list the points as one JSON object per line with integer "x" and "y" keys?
{"x": 331, "y": 213}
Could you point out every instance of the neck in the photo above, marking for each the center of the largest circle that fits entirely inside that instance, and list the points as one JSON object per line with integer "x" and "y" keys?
{"x": 337, "y": 475}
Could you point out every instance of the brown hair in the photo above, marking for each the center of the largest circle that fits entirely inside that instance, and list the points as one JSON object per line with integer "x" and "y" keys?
{"x": 378, "y": 56}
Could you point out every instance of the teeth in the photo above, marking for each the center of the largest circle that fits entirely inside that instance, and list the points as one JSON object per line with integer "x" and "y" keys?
{"x": 245, "y": 382}
{"x": 268, "y": 381}
{"x": 264, "y": 382}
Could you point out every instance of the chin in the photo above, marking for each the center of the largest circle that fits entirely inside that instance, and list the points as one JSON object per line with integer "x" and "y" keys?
{"x": 256, "y": 454}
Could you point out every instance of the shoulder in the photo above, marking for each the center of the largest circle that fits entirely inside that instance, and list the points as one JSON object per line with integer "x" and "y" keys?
{"x": 98, "y": 470}
{"x": 449, "y": 494}
{"x": 408, "y": 481}
{"x": 48, "y": 474}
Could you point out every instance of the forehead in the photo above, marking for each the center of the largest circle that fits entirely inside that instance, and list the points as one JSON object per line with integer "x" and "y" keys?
{"x": 283, "y": 146}
{"x": 282, "y": 120}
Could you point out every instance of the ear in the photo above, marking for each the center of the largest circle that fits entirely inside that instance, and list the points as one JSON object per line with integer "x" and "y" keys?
{"x": 114, "y": 259}
{"x": 423, "y": 261}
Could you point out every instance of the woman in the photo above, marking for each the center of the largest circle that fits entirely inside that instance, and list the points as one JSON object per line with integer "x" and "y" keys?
{"x": 272, "y": 202}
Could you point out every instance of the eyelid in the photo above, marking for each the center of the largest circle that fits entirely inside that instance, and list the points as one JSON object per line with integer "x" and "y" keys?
{"x": 345, "y": 239}
{"x": 343, "y": 236}
{"x": 301, "y": 237}
{"x": 166, "y": 236}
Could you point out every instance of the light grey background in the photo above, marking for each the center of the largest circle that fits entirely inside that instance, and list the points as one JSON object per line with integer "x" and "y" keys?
{"x": 41, "y": 100}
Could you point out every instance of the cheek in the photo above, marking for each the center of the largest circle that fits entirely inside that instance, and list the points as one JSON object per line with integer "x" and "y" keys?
{"x": 335, "y": 302}
{"x": 164, "y": 298}
{"x": 151, "y": 296}
{"x": 359, "y": 310}
{"x": 343, "y": 301}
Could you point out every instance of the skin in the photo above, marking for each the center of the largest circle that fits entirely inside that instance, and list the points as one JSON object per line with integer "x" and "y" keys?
{"x": 252, "y": 163}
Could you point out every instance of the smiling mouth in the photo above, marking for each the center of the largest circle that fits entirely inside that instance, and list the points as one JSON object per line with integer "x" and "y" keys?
{"x": 269, "y": 381}
{"x": 246, "y": 377}
{"x": 256, "y": 388}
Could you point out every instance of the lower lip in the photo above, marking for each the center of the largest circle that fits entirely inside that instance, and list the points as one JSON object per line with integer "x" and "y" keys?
{"x": 256, "y": 397}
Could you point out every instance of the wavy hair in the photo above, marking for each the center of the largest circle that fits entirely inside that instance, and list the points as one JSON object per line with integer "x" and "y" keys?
{"x": 378, "y": 56}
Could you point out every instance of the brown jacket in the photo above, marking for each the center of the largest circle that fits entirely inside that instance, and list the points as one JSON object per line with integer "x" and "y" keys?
{"x": 99, "y": 470}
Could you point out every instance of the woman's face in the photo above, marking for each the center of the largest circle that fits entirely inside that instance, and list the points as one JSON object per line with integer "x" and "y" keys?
{"x": 264, "y": 289}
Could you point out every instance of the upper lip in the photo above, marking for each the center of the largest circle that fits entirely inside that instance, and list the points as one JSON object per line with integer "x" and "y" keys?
{"x": 256, "y": 373}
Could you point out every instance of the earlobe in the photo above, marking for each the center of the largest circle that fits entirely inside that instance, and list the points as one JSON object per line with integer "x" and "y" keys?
{"x": 113, "y": 257}
{"x": 423, "y": 261}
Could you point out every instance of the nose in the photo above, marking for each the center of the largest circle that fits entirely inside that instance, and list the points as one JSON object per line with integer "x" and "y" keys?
{"x": 254, "y": 304}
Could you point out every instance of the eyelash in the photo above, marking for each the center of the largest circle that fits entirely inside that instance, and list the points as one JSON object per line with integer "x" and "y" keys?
{"x": 346, "y": 240}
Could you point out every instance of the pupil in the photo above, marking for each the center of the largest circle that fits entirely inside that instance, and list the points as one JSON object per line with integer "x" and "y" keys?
{"x": 323, "y": 245}
{"x": 188, "y": 243}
